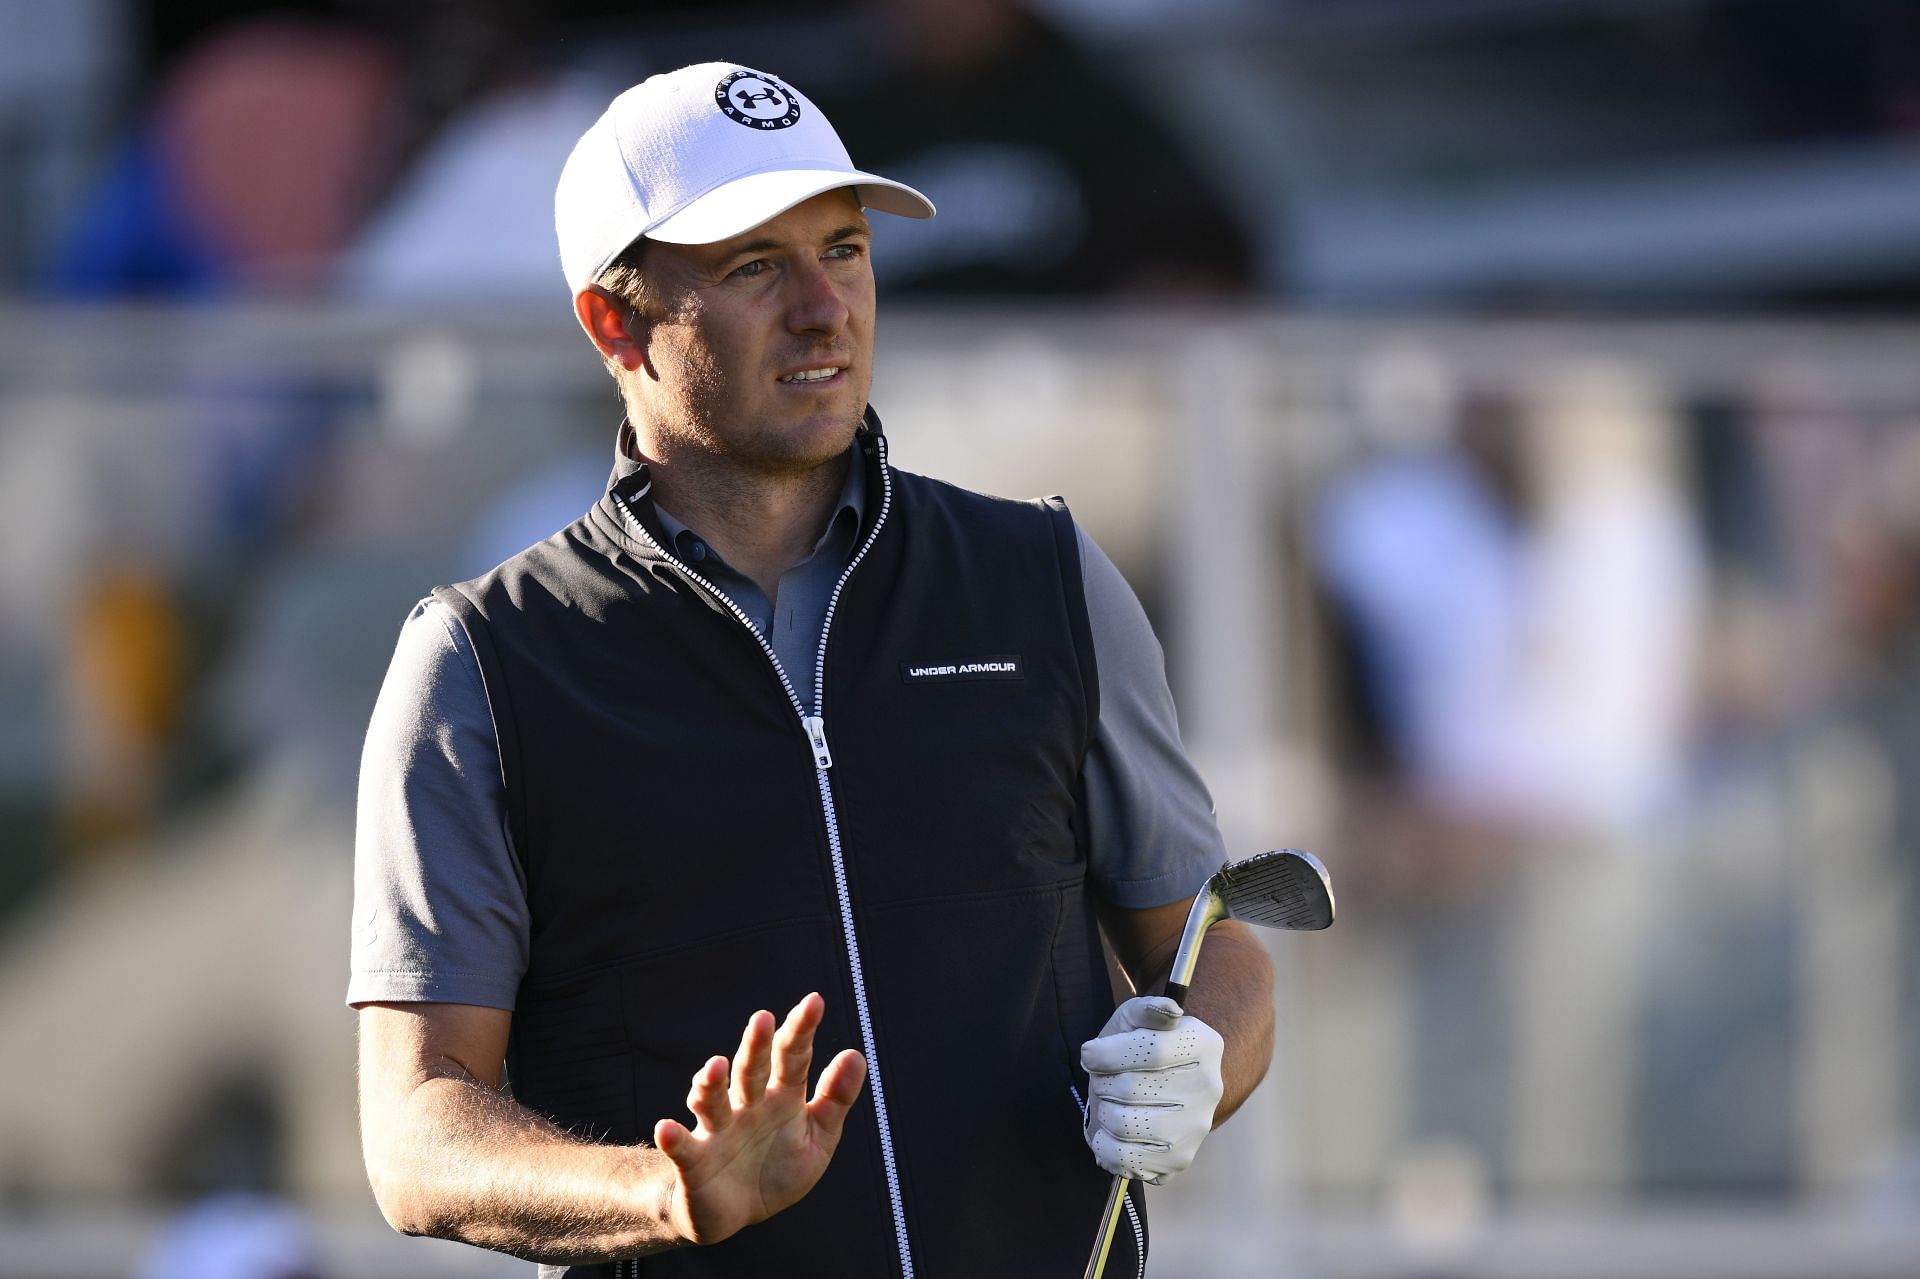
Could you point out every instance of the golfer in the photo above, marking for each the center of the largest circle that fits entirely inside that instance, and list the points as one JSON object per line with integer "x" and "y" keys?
{"x": 732, "y": 866}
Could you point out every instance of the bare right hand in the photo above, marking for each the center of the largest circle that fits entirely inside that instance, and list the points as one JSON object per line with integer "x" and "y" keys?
{"x": 758, "y": 1144}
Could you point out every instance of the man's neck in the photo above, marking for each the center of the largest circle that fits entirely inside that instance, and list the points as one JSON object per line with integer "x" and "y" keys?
{"x": 762, "y": 525}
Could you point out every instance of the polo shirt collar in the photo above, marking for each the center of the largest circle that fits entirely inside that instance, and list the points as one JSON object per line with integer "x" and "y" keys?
{"x": 631, "y": 483}
{"x": 849, "y": 514}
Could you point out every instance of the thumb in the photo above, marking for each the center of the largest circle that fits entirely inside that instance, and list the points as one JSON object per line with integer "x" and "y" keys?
{"x": 1154, "y": 1012}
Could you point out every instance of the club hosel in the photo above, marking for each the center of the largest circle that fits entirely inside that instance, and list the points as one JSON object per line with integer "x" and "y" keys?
{"x": 1209, "y": 908}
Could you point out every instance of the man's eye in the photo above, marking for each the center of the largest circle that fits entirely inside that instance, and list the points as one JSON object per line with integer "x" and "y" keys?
{"x": 844, "y": 251}
{"x": 747, "y": 270}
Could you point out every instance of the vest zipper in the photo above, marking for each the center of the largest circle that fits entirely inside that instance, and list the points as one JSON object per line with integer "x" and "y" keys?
{"x": 815, "y": 727}
{"x": 817, "y": 738}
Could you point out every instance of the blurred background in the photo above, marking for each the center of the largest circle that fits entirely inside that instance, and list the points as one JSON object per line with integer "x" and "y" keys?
{"x": 1508, "y": 411}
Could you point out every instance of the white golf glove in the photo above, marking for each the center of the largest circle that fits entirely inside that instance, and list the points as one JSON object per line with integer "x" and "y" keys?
{"x": 1154, "y": 1081}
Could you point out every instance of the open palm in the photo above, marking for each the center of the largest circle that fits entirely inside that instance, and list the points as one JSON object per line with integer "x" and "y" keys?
{"x": 758, "y": 1144}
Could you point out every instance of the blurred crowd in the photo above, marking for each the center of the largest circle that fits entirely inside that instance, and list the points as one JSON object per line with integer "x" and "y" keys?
{"x": 1623, "y": 708}
{"x": 407, "y": 157}
{"x": 1571, "y": 635}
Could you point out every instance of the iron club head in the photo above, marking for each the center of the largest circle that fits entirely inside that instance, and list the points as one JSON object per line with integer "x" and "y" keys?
{"x": 1282, "y": 889}
{"x": 1285, "y": 888}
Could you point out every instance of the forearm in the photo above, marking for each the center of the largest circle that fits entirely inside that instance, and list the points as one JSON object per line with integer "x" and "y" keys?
{"x": 455, "y": 1159}
{"x": 1232, "y": 991}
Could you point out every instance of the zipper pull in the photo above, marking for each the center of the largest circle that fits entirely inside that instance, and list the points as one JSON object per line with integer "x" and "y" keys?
{"x": 817, "y": 734}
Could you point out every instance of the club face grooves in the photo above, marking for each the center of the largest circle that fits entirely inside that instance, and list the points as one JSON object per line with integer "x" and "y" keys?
{"x": 1284, "y": 889}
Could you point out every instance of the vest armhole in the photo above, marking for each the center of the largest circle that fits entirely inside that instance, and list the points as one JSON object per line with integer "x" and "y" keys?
{"x": 1066, "y": 545}
{"x": 499, "y": 704}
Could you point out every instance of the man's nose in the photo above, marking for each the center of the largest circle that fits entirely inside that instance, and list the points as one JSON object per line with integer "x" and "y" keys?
{"x": 815, "y": 304}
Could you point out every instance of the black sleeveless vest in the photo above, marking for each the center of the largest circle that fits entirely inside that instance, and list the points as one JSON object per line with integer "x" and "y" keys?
{"x": 688, "y": 860}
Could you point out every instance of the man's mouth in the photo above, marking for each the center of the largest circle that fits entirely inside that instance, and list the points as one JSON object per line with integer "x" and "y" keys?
{"x": 813, "y": 375}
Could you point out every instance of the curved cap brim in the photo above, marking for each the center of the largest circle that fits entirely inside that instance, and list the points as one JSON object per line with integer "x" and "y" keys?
{"x": 744, "y": 203}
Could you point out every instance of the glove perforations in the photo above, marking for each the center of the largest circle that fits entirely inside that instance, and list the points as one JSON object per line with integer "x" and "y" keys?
{"x": 1155, "y": 1082}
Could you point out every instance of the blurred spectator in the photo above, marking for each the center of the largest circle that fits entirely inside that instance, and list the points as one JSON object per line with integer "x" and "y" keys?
{"x": 1617, "y": 573}
{"x": 233, "y": 1236}
{"x": 1423, "y": 557}
{"x": 262, "y": 150}
{"x": 1051, "y": 175}
{"x": 472, "y": 220}
{"x": 533, "y": 507}
{"x": 1528, "y": 668}
{"x": 127, "y": 682}
{"x": 1826, "y": 478}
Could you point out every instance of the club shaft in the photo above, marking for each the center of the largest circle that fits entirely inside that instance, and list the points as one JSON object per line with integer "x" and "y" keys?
{"x": 1271, "y": 889}
{"x": 1109, "y": 1222}
{"x": 1206, "y": 912}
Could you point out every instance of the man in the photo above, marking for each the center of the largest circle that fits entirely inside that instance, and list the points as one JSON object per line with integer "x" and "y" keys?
{"x": 775, "y": 725}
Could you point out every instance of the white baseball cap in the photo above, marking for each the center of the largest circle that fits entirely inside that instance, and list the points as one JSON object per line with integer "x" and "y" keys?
{"x": 698, "y": 155}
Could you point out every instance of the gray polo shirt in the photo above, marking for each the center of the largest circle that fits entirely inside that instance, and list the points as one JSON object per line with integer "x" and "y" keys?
{"x": 440, "y": 910}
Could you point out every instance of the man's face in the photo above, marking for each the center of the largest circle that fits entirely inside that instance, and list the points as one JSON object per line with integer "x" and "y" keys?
{"x": 760, "y": 354}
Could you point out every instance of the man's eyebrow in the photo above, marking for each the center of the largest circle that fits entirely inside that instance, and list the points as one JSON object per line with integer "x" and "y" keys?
{"x": 765, "y": 244}
{"x": 761, "y": 245}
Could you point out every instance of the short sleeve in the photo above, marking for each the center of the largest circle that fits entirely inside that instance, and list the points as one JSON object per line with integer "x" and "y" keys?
{"x": 1150, "y": 821}
{"x": 439, "y": 903}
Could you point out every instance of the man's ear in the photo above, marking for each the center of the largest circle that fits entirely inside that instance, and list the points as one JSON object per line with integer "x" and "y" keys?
{"x": 617, "y": 329}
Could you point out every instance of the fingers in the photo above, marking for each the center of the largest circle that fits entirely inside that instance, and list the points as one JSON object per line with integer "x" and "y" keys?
{"x": 793, "y": 1045}
{"x": 1137, "y": 1050}
{"x": 722, "y": 1092}
{"x": 839, "y": 1088}
{"x": 670, "y": 1138}
{"x": 752, "y": 1062}
{"x": 1164, "y": 1087}
{"x": 1154, "y": 1083}
{"x": 1183, "y": 1041}
{"x": 1141, "y": 1161}
{"x": 1131, "y": 1125}
{"x": 708, "y": 1099}
{"x": 1151, "y": 1012}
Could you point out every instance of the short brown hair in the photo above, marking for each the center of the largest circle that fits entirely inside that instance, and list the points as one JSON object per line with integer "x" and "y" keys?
{"x": 625, "y": 277}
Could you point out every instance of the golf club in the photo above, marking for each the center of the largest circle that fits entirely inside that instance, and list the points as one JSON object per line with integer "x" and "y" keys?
{"x": 1286, "y": 889}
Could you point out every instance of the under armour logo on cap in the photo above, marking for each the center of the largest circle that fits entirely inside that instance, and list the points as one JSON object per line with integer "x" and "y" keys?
{"x": 757, "y": 101}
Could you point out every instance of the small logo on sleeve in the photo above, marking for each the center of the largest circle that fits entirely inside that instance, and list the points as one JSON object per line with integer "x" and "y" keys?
{"x": 1006, "y": 666}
